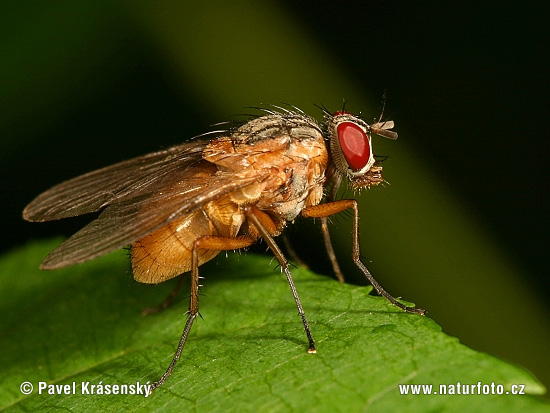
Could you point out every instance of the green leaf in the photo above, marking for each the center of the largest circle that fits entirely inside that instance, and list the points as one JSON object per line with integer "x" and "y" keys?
{"x": 248, "y": 353}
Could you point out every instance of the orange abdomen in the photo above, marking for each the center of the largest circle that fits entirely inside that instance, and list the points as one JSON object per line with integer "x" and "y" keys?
{"x": 167, "y": 252}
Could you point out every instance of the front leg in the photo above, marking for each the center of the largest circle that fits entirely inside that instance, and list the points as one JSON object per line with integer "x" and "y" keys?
{"x": 330, "y": 208}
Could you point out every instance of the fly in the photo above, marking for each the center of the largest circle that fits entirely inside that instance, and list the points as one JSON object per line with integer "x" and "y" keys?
{"x": 179, "y": 207}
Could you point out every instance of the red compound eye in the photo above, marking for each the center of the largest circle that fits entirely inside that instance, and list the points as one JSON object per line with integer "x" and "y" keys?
{"x": 355, "y": 145}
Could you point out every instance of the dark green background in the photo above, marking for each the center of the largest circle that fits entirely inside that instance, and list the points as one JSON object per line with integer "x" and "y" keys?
{"x": 86, "y": 84}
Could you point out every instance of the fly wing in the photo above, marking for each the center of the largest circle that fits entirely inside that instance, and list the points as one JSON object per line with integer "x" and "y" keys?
{"x": 92, "y": 191}
{"x": 124, "y": 222}
{"x": 138, "y": 196}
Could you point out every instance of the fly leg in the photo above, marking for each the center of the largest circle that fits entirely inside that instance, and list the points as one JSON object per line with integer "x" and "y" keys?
{"x": 335, "y": 180}
{"x": 168, "y": 301}
{"x": 265, "y": 227}
{"x": 331, "y": 208}
{"x": 330, "y": 250}
{"x": 209, "y": 243}
{"x": 290, "y": 251}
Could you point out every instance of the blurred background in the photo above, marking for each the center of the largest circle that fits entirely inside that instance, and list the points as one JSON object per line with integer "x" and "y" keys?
{"x": 462, "y": 229}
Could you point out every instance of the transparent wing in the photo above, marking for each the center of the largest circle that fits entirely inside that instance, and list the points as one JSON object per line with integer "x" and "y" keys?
{"x": 122, "y": 223}
{"x": 92, "y": 191}
{"x": 139, "y": 196}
